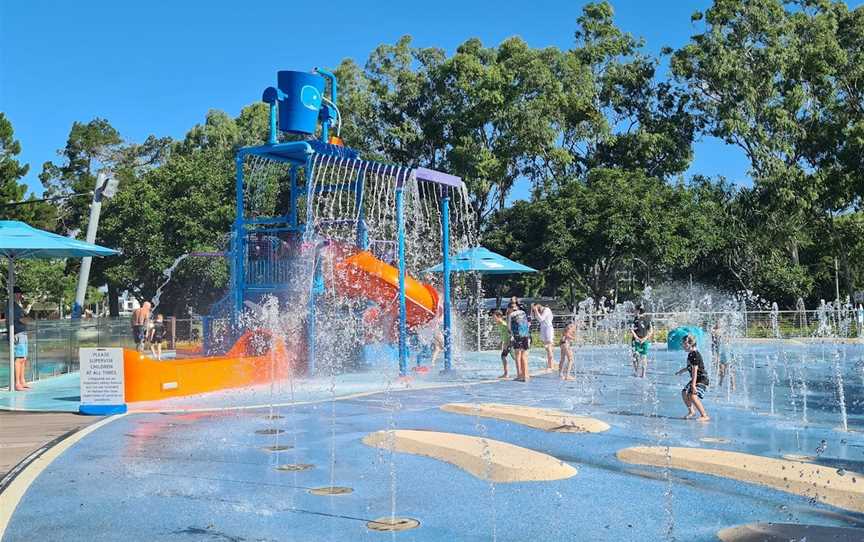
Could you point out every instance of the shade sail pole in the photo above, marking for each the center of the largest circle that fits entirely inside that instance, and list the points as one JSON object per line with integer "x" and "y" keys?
{"x": 10, "y": 321}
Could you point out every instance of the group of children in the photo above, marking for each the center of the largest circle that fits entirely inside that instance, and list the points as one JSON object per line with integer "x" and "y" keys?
{"x": 513, "y": 327}
{"x": 514, "y": 330}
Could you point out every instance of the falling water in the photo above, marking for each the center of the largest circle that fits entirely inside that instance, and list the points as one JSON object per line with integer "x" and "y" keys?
{"x": 841, "y": 394}
{"x": 167, "y": 274}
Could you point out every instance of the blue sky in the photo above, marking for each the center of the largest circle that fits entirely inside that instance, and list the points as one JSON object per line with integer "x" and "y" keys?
{"x": 156, "y": 67}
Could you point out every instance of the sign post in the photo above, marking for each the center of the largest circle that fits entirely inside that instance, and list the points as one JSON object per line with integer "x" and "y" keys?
{"x": 102, "y": 383}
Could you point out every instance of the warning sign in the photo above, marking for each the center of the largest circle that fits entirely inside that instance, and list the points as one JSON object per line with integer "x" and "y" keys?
{"x": 102, "y": 376}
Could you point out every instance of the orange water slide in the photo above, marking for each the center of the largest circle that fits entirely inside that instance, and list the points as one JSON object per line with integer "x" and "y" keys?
{"x": 362, "y": 275}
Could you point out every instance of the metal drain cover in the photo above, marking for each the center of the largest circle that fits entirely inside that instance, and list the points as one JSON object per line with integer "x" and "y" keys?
{"x": 331, "y": 490}
{"x": 294, "y": 467}
{"x": 392, "y": 524}
{"x": 269, "y": 431}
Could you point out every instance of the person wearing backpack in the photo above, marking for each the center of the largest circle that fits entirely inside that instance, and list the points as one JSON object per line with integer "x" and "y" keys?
{"x": 517, "y": 320}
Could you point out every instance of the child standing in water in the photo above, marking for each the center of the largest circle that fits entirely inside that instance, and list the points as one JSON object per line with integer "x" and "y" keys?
{"x": 565, "y": 366}
{"x": 517, "y": 321}
{"x": 504, "y": 332}
{"x": 157, "y": 337}
{"x": 694, "y": 391}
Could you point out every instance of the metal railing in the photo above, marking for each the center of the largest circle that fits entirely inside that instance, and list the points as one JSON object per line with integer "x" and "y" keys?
{"x": 613, "y": 327}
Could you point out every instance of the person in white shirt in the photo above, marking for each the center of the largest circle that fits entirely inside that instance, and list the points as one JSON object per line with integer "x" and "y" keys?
{"x": 547, "y": 332}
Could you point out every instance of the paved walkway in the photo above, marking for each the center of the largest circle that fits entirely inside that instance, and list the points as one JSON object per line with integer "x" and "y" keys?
{"x": 23, "y": 432}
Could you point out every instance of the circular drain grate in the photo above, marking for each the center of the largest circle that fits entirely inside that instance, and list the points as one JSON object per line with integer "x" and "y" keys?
{"x": 273, "y": 416}
{"x": 277, "y": 448}
{"x": 295, "y": 467}
{"x": 330, "y": 490}
{"x": 269, "y": 431}
{"x": 393, "y": 524}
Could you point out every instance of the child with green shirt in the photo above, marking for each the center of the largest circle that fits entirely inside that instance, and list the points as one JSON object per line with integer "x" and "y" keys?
{"x": 504, "y": 332}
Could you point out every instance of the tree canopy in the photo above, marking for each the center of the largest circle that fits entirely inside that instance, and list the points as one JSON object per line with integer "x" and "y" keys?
{"x": 603, "y": 132}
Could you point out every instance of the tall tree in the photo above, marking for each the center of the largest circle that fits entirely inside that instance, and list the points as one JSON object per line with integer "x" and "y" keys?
{"x": 781, "y": 80}
{"x": 90, "y": 146}
{"x": 35, "y": 213}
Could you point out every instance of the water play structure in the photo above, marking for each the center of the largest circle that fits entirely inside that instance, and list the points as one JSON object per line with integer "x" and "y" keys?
{"x": 325, "y": 248}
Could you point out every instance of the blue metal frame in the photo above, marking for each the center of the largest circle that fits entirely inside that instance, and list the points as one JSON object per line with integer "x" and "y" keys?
{"x": 300, "y": 154}
{"x": 445, "y": 252}
{"x": 403, "y": 311}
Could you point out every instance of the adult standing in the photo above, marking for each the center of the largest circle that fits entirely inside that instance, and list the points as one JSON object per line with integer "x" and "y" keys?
{"x": 21, "y": 321}
{"x": 547, "y": 332}
{"x": 140, "y": 317}
{"x": 641, "y": 333}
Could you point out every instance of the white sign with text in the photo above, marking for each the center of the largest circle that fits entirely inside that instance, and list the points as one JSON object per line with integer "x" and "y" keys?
{"x": 102, "y": 376}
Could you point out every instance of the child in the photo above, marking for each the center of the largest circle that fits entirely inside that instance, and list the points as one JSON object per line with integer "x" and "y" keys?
{"x": 517, "y": 321}
{"x": 157, "y": 335}
{"x": 641, "y": 333}
{"x": 547, "y": 331}
{"x": 694, "y": 391}
{"x": 725, "y": 367}
{"x": 565, "y": 366}
{"x": 504, "y": 332}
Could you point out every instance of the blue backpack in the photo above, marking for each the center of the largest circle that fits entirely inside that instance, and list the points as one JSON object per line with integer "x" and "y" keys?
{"x": 519, "y": 325}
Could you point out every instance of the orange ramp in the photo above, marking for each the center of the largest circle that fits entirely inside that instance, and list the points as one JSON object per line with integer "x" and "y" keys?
{"x": 256, "y": 358}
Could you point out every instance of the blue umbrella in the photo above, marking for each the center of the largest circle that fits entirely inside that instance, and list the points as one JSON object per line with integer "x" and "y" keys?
{"x": 482, "y": 261}
{"x": 19, "y": 241}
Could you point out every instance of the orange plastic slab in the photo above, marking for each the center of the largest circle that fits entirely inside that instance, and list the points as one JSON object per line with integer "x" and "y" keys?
{"x": 149, "y": 380}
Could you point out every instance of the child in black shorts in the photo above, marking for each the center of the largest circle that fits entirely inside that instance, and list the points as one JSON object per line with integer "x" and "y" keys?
{"x": 695, "y": 389}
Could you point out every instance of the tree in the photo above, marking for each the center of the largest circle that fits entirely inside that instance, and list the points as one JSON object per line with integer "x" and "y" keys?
{"x": 583, "y": 235}
{"x": 614, "y": 112}
{"x": 35, "y": 213}
{"x": 89, "y": 147}
{"x": 784, "y": 85}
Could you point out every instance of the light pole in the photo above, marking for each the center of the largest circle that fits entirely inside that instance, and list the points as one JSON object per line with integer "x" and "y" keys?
{"x": 106, "y": 186}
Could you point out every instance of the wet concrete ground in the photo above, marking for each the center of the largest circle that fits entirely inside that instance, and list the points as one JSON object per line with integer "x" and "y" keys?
{"x": 210, "y": 476}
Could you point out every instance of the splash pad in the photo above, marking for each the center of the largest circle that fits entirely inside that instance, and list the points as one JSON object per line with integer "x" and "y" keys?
{"x": 318, "y": 279}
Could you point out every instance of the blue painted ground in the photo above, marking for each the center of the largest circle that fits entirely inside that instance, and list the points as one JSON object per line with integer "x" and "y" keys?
{"x": 205, "y": 476}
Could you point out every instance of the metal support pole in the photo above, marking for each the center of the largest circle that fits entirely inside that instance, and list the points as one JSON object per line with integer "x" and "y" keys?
{"x": 445, "y": 249}
{"x": 10, "y": 321}
{"x": 292, "y": 212}
{"x": 307, "y": 235}
{"x": 362, "y": 232}
{"x": 479, "y": 291}
{"x": 403, "y": 313}
{"x": 92, "y": 225}
{"x": 273, "y": 132}
{"x": 238, "y": 246}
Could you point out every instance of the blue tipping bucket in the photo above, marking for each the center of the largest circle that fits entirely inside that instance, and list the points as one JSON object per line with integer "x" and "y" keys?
{"x": 676, "y": 337}
{"x": 298, "y": 110}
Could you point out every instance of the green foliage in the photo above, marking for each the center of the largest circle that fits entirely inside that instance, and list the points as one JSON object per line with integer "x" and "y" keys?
{"x": 38, "y": 214}
{"x": 89, "y": 147}
{"x": 599, "y": 131}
